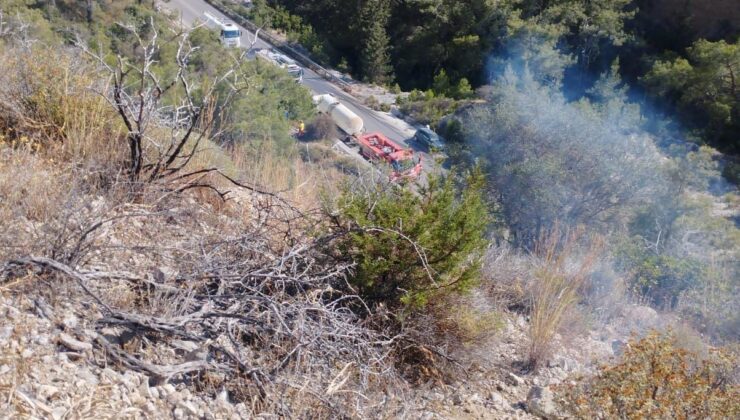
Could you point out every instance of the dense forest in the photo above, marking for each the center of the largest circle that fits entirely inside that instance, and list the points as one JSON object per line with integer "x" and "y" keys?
{"x": 679, "y": 57}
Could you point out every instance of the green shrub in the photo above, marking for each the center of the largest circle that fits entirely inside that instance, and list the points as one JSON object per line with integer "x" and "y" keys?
{"x": 660, "y": 278}
{"x": 731, "y": 172}
{"x": 429, "y": 111}
{"x": 453, "y": 131}
{"x": 409, "y": 246}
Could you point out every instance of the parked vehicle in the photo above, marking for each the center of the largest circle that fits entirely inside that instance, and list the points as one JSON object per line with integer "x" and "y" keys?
{"x": 404, "y": 164}
{"x": 429, "y": 139}
{"x": 374, "y": 146}
{"x": 230, "y": 34}
{"x": 282, "y": 61}
{"x": 342, "y": 116}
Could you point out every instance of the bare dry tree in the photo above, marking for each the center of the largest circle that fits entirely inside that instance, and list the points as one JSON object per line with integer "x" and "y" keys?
{"x": 15, "y": 28}
{"x": 137, "y": 93}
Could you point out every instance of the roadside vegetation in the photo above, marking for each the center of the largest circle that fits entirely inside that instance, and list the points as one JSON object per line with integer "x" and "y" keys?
{"x": 682, "y": 60}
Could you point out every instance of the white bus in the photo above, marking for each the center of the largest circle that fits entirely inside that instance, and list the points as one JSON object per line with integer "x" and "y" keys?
{"x": 230, "y": 33}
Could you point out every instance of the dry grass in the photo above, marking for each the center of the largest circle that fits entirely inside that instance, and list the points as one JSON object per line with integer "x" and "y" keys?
{"x": 561, "y": 274}
{"x": 48, "y": 100}
{"x": 302, "y": 183}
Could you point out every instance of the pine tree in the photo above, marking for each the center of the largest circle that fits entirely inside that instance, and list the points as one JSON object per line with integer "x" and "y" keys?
{"x": 375, "y": 57}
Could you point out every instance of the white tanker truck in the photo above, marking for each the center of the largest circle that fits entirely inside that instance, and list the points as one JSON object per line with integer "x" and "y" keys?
{"x": 345, "y": 119}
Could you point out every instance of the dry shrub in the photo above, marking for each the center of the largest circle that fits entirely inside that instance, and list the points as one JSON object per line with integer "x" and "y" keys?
{"x": 48, "y": 100}
{"x": 555, "y": 291}
{"x": 656, "y": 379}
{"x": 29, "y": 186}
{"x": 504, "y": 273}
{"x": 322, "y": 127}
{"x": 466, "y": 321}
{"x": 302, "y": 183}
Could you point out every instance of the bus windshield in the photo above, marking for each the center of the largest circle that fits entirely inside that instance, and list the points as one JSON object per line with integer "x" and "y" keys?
{"x": 230, "y": 34}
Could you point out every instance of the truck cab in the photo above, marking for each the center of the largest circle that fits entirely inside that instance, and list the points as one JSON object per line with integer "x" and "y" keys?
{"x": 431, "y": 140}
{"x": 230, "y": 35}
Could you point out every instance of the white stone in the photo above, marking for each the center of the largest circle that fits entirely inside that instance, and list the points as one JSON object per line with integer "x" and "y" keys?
{"x": 168, "y": 388}
{"x": 496, "y": 399}
{"x": 70, "y": 321}
{"x": 58, "y": 413}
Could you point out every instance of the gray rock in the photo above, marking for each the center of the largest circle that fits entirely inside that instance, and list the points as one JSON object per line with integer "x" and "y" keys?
{"x": 145, "y": 390}
{"x": 178, "y": 413}
{"x": 189, "y": 408}
{"x": 6, "y": 331}
{"x": 540, "y": 402}
{"x": 12, "y": 313}
{"x": 184, "y": 345}
{"x": 475, "y": 399}
{"x": 197, "y": 355}
{"x": 58, "y": 413}
{"x": 41, "y": 340}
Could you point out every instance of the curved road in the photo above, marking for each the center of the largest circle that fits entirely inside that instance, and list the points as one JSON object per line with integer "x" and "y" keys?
{"x": 192, "y": 11}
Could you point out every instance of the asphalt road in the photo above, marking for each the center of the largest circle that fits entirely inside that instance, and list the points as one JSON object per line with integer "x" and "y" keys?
{"x": 193, "y": 10}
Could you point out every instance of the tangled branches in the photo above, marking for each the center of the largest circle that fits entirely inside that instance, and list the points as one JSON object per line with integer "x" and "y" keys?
{"x": 260, "y": 324}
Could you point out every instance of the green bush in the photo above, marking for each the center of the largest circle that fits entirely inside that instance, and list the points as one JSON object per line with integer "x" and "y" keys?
{"x": 429, "y": 111}
{"x": 410, "y": 246}
{"x": 731, "y": 172}
{"x": 453, "y": 131}
{"x": 660, "y": 278}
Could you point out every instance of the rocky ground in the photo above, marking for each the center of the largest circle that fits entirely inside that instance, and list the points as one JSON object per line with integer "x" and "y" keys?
{"x": 48, "y": 370}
